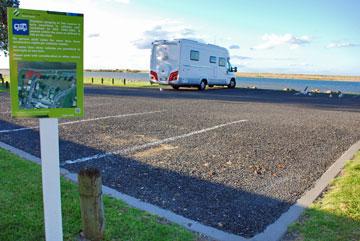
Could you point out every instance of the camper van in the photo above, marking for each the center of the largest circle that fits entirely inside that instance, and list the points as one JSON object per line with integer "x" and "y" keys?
{"x": 188, "y": 63}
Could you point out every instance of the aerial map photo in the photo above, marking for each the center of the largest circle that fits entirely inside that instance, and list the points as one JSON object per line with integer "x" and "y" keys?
{"x": 46, "y": 85}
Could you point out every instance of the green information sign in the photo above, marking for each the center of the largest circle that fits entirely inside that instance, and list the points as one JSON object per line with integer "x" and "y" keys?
{"x": 46, "y": 63}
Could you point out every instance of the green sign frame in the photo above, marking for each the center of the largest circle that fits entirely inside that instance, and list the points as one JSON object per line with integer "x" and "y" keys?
{"x": 46, "y": 63}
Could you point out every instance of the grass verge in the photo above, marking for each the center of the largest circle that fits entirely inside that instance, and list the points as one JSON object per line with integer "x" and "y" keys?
{"x": 336, "y": 215}
{"x": 119, "y": 83}
{"x": 22, "y": 210}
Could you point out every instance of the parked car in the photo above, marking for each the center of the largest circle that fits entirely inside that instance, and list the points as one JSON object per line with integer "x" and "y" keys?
{"x": 188, "y": 63}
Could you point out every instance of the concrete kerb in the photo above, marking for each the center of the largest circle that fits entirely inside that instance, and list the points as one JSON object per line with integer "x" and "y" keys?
{"x": 273, "y": 232}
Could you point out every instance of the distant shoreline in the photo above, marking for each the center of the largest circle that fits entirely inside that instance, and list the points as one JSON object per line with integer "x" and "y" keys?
{"x": 301, "y": 76}
{"x": 244, "y": 75}
{"x": 258, "y": 75}
{"x": 117, "y": 70}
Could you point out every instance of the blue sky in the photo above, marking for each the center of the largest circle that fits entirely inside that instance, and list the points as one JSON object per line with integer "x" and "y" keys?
{"x": 320, "y": 37}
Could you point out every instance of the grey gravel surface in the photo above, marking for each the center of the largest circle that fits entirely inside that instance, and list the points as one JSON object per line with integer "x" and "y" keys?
{"x": 238, "y": 178}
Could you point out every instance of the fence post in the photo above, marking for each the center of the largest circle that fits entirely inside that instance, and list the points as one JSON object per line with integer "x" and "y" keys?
{"x": 7, "y": 85}
{"x": 102, "y": 81}
{"x": 2, "y": 79}
{"x": 124, "y": 81}
{"x": 113, "y": 81}
{"x": 91, "y": 204}
{"x": 92, "y": 80}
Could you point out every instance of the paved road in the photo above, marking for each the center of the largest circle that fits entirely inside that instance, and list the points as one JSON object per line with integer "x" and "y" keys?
{"x": 232, "y": 159}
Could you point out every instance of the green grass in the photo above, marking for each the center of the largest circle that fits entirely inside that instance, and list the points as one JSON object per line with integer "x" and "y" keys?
{"x": 117, "y": 83}
{"x": 336, "y": 215}
{"x": 120, "y": 83}
{"x": 22, "y": 214}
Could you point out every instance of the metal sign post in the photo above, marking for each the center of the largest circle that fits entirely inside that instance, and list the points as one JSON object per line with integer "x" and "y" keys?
{"x": 49, "y": 141}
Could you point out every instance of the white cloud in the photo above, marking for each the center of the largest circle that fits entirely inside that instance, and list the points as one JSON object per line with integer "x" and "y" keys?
{"x": 188, "y": 32}
{"x": 274, "y": 40}
{"x": 119, "y": 1}
{"x": 94, "y": 35}
{"x": 240, "y": 57}
{"x": 342, "y": 45}
{"x": 166, "y": 31}
{"x": 150, "y": 36}
{"x": 300, "y": 65}
{"x": 234, "y": 46}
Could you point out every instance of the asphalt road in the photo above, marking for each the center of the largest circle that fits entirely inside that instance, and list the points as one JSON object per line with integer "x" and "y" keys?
{"x": 231, "y": 159}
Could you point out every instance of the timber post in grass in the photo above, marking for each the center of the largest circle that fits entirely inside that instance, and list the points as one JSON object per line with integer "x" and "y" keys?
{"x": 92, "y": 80}
{"x": 124, "y": 81}
{"x": 113, "y": 81}
{"x": 7, "y": 85}
{"x": 2, "y": 79}
{"x": 91, "y": 204}
{"x": 102, "y": 81}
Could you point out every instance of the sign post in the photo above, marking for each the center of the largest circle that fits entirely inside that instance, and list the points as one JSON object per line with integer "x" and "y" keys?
{"x": 46, "y": 76}
{"x": 49, "y": 142}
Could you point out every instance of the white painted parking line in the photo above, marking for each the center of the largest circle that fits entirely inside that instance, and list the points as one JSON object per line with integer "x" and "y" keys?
{"x": 85, "y": 120}
{"x": 96, "y": 105}
{"x": 151, "y": 144}
{"x": 19, "y": 129}
{"x": 109, "y": 117}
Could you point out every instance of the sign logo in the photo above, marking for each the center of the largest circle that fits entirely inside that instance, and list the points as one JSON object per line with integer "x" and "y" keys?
{"x": 20, "y": 27}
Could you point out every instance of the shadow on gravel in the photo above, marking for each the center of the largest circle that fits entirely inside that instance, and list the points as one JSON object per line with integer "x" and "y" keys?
{"x": 220, "y": 206}
{"x": 321, "y": 101}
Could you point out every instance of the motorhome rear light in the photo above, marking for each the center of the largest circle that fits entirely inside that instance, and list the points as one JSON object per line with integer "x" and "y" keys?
{"x": 154, "y": 75}
{"x": 174, "y": 76}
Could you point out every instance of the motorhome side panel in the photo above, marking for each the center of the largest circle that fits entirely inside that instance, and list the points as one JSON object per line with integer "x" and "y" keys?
{"x": 190, "y": 75}
{"x": 194, "y": 57}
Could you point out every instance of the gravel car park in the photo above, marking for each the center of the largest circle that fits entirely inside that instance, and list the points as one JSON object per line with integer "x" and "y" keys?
{"x": 231, "y": 159}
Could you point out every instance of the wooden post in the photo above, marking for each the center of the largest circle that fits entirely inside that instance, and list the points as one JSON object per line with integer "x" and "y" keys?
{"x": 91, "y": 204}
{"x": 102, "y": 81}
{"x": 92, "y": 80}
{"x": 7, "y": 85}
{"x": 2, "y": 79}
{"x": 124, "y": 81}
{"x": 113, "y": 81}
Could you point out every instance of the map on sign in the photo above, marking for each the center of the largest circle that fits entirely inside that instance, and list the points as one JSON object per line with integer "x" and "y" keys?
{"x": 46, "y": 63}
{"x": 52, "y": 86}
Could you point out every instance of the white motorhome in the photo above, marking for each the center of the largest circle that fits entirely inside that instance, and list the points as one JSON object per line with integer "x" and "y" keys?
{"x": 188, "y": 63}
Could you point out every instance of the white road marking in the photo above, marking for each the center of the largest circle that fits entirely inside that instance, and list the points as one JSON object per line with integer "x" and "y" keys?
{"x": 19, "y": 129}
{"x": 80, "y": 121}
{"x": 151, "y": 144}
{"x": 96, "y": 105}
{"x": 109, "y": 117}
{"x": 5, "y": 112}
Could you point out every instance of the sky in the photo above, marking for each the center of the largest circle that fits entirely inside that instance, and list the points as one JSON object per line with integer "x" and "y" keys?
{"x": 277, "y": 36}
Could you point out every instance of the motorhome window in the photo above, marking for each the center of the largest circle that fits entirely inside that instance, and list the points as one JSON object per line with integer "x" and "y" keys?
{"x": 222, "y": 62}
{"x": 228, "y": 65}
{"x": 166, "y": 53}
{"x": 213, "y": 59}
{"x": 194, "y": 55}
